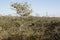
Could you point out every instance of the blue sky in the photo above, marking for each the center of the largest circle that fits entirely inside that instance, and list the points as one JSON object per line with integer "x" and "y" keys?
{"x": 40, "y": 7}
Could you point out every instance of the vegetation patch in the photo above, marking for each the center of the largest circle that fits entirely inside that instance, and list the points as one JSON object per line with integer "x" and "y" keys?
{"x": 29, "y": 28}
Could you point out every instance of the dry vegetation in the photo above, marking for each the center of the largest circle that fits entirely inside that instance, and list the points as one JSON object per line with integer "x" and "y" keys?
{"x": 29, "y": 28}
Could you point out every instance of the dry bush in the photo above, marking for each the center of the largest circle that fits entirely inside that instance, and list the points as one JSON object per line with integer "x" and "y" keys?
{"x": 34, "y": 28}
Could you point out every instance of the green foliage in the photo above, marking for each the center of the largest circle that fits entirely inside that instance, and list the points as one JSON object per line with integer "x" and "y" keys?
{"x": 22, "y": 9}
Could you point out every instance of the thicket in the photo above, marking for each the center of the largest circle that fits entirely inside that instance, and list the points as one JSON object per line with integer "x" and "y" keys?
{"x": 29, "y": 28}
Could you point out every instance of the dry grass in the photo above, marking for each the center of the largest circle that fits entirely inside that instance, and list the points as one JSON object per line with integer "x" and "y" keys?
{"x": 29, "y": 28}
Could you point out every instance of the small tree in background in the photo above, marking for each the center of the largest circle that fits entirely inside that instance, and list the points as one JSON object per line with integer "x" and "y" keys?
{"x": 23, "y": 9}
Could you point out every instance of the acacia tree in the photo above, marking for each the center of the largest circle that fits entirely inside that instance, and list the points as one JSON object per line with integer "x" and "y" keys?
{"x": 23, "y": 9}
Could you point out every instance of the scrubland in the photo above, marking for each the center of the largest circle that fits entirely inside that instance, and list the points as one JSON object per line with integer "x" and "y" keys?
{"x": 29, "y": 28}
